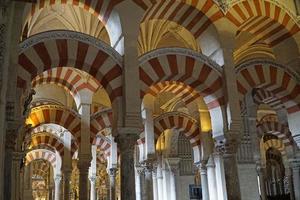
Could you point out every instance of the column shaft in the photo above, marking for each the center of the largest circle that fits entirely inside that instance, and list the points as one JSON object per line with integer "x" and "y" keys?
{"x": 204, "y": 182}
{"x": 127, "y": 143}
{"x": 155, "y": 189}
{"x": 296, "y": 180}
{"x": 93, "y": 188}
{"x": 148, "y": 183}
{"x": 211, "y": 174}
{"x": 66, "y": 184}
{"x": 262, "y": 185}
{"x": 112, "y": 182}
{"x": 57, "y": 190}
{"x": 83, "y": 167}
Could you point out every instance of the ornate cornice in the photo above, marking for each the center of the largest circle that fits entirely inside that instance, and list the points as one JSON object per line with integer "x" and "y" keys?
{"x": 180, "y": 51}
{"x": 72, "y": 35}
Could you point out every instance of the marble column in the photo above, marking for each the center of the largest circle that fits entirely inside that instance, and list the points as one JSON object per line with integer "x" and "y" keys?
{"x": 166, "y": 183}
{"x": 28, "y": 183}
{"x": 227, "y": 149}
{"x": 160, "y": 182}
{"x": 93, "y": 194}
{"x": 126, "y": 142}
{"x": 50, "y": 188}
{"x": 174, "y": 173}
{"x": 204, "y": 181}
{"x": 66, "y": 183}
{"x": 155, "y": 185}
{"x": 148, "y": 181}
{"x": 83, "y": 166}
{"x": 139, "y": 171}
{"x": 112, "y": 183}
{"x": 57, "y": 188}
{"x": 262, "y": 186}
{"x": 296, "y": 179}
{"x": 211, "y": 174}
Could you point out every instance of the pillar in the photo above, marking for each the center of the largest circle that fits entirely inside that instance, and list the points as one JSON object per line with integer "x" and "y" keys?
{"x": 204, "y": 181}
{"x": 227, "y": 150}
{"x": 84, "y": 153}
{"x": 27, "y": 183}
{"x": 174, "y": 173}
{"x": 262, "y": 185}
{"x": 126, "y": 141}
{"x": 93, "y": 194}
{"x": 66, "y": 183}
{"x": 160, "y": 182}
{"x": 15, "y": 175}
{"x": 112, "y": 183}
{"x": 289, "y": 176}
{"x": 296, "y": 179}
{"x": 211, "y": 174}
{"x": 148, "y": 168}
{"x": 155, "y": 185}
{"x": 57, "y": 191}
{"x": 139, "y": 171}
{"x": 83, "y": 166}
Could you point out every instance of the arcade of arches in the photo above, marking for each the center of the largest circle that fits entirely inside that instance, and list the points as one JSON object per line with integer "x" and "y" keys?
{"x": 149, "y": 99}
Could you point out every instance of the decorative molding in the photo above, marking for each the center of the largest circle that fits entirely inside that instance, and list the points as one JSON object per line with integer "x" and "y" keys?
{"x": 72, "y": 35}
{"x": 180, "y": 51}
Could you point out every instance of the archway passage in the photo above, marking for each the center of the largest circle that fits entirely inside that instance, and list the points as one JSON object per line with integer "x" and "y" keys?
{"x": 65, "y": 48}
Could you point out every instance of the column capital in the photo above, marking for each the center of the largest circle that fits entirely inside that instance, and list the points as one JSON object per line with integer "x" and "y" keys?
{"x": 93, "y": 179}
{"x": 228, "y": 144}
{"x": 126, "y": 141}
{"x": 113, "y": 172}
{"x": 295, "y": 164}
{"x": 139, "y": 169}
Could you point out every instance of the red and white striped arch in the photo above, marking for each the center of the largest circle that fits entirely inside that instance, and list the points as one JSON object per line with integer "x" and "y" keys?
{"x": 45, "y": 51}
{"x": 48, "y": 130}
{"x": 99, "y": 121}
{"x": 182, "y": 122}
{"x": 195, "y": 71}
{"x": 277, "y": 129}
{"x": 187, "y": 94}
{"x": 68, "y": 78}
{"x": 103, "y": 9}
{"x": 261, "y": 96}
{"x": 197, "y": 19}
{"x": 62, "y": 116}
{"x": 264, "y": 19}
{"x": 41, "y": 154}
{"x": 102, "y": 142}
{"x": 272, "y": 77}
{"x": 47, "y": 139}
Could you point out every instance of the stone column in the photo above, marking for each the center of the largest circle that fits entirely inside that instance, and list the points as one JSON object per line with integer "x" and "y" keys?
{"x": 138, "y": 182}
{"x": 204, "y": 181}
{"x": 148, "y": 181}
{"x": 93, "y": 187}
{"x": 126, "y": 140}
{"x": 166, "y": 183}
{"x": 50, "y": 188}
{"x": 227, "y": 149}
{"x": 289, "y": 176}
{"x": 83, "y": 166}
{"x": 211, "y": 174}
{"x": 112, "y": 183}
{"x": 66, "y": 183}
{"x": 262, "y": 185}
{"x": 160, "y": 182}
{"x": 15, "y": 175}
{"x": 296, "y": 179}
{"x": 174, "y": 172}
{"x": 57, "y": 191}
{"x": 155, "y": 185}
{"x": 27, "y": 183}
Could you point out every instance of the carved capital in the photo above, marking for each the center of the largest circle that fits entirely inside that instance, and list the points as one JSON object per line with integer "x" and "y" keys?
{"x": 228, "y": 144}
{"x": 126, "y": 141}
{"x": 113, "y": 172}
